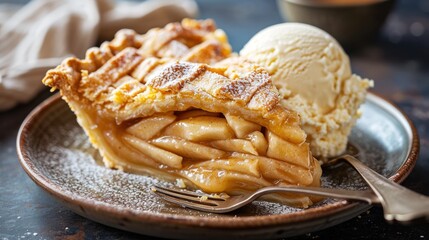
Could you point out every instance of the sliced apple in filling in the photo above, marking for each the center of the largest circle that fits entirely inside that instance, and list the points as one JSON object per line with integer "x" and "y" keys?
{"x": 259, "y": 142}
{"x": 158, "y": 154}
{"x": 219, "y": 129}
{"x": 235, "y": 145}
{"x": 151, "y": 126}
{"x": 200, "y": 129}
{"x": 240, "y": 126}
{"x": 188, "y": 149}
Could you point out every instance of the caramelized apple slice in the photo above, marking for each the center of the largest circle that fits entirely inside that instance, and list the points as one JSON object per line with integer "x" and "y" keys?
{"x": 218, "y": 181}
{"x": 259, "y": 142}
{"x": 240, "y": 126}
{"x": 246, "y": 166}
{"x": 187, "y": 149}
{"x": 279, "y": 148}
{"x": 277, "y": 170}
{"x": 200, "y": 129}
{"x": 149, "y": 127}
{"x": 157, "y": 154}
{"x": 235, "y": 145}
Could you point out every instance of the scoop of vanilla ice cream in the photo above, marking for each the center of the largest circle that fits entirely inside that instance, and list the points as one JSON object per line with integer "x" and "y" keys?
{"x": 313, "y": 75}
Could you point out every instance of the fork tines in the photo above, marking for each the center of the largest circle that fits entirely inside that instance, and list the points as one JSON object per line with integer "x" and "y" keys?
{"x": 178, "y": 196}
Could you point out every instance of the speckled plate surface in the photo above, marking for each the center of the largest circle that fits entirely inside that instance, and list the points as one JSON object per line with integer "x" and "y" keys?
{"x": 55, "y": 153}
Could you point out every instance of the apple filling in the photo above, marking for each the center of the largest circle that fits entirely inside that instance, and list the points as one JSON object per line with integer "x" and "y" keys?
{"x": 213, "y": 152}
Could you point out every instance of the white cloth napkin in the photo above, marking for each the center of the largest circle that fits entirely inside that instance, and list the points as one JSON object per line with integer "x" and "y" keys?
{"x": 39, "y": 35}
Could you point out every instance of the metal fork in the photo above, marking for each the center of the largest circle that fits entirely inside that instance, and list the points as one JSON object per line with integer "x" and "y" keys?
{"x": 223, "y": 204}
{"x": 399, "y": 203}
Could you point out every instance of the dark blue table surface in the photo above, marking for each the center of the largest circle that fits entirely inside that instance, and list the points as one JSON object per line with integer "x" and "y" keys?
{"x": 398, "y": 61}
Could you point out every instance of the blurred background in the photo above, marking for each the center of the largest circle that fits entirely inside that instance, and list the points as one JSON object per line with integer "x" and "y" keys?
{"x": 396, "y": 57}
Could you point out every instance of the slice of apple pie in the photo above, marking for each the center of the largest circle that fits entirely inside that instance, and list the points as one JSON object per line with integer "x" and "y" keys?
{"x": 218, "y": 128}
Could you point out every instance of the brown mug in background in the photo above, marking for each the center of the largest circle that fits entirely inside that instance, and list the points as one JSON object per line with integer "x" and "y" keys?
{"x": 352, "y": 22}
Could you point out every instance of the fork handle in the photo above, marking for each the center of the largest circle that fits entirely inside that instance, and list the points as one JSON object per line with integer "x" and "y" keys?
{"x": 399, "y": 203}
{"x": 365, "y": 196}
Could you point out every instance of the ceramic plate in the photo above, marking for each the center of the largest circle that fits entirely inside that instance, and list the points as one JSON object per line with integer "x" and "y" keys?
{"x": 56, "y": 154}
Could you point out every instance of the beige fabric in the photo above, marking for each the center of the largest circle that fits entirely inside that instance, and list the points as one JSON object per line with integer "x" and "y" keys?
{"x": 41, "y": 34}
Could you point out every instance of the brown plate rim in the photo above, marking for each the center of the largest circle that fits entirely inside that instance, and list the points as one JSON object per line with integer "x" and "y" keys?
{"x": 193, "y": 221}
